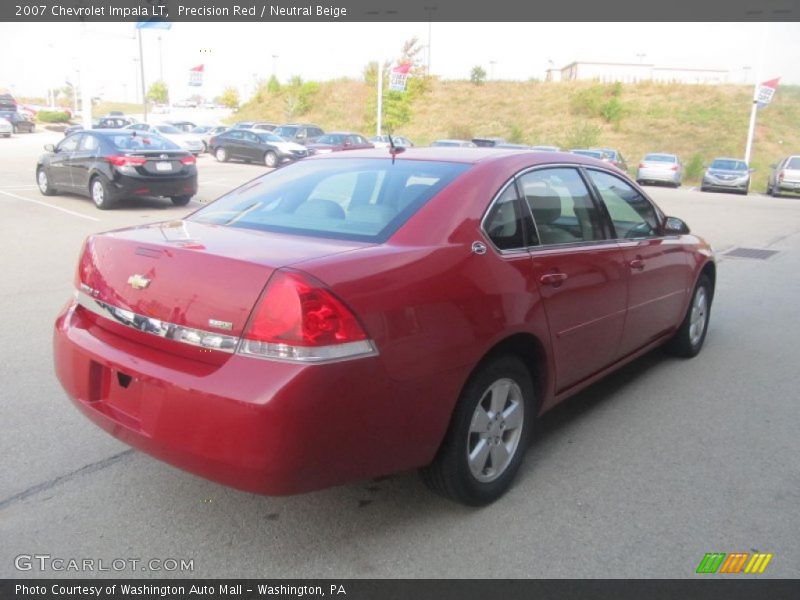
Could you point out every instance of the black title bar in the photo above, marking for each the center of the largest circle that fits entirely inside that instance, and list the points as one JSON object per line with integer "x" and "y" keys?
{"x": 397, "y": 10}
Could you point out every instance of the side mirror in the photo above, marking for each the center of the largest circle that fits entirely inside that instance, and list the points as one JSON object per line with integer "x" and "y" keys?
{"x": 49, "y": 148}
{"x": 675, "y": 226}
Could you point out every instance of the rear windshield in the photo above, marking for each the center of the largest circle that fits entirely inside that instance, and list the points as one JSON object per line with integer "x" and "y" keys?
{"x": 794, "y": 163}
{"x": 137, "y": 142}
{"x": 729, "y": 165}
{"x": 667, "y": 158}
{"x": 354, "y": 199}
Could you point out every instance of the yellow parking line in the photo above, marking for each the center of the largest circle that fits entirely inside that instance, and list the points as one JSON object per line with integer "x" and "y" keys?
{"x": 66, "y": 210}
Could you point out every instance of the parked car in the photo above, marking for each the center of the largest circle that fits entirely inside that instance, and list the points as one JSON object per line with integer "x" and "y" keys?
{"x": 615, "y": 158}
{"x": 254, "y": 146}
{"x": 379, "y": 313}
{"x": 184, "y": 126}
{"x": 338, "y": 141}
{"x": 299, "y": 133}
{"x": 382, "y": 141}
{"x": 452, "y": 144}
{"x": 546, "y": 148}
{"x": 115, "y": 122}
{"x": 264, "y": 126}
{"x": 590, "y": 152}
{"x": 110, "y": 164}
{"x": 19, "y": 122}
{"x": 6, "y": 128}
{"x": 728, "y": 174}
{"x": 660, "y": 167}
{"x": 209, "y": 133}
{"x": 188, "y": 141}
{"x": 8, "y": 103}
{"x": 243, "y": 125}
{"x": 785, "y": 176}
{"x": 488, "y": 142}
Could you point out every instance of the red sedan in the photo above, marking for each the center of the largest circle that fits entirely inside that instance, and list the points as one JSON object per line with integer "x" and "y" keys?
{"x": 350, "y": 316}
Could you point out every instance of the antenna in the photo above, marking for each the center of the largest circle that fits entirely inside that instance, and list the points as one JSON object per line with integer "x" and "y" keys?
{"x": 394, "y": 150}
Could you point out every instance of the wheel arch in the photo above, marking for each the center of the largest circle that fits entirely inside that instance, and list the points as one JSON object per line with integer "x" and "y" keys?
{"x": 710, "y": 270}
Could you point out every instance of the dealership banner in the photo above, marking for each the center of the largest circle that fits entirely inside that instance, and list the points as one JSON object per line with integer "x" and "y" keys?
{"x": 196, "y": 75}
{"x": 398, "y": 77}
{"x": 766, "y": 91}
{"x": 405, "y": 589}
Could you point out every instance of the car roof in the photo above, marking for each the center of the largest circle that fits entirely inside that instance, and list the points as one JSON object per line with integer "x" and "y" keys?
{"x": 465, "y": 155}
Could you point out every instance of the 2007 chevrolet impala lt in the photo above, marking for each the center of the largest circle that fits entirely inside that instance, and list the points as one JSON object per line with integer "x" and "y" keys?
{"x": 347, "y": 317}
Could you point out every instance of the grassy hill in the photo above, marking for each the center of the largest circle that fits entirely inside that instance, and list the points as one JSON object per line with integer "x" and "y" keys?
{"x": 697, "y": 122}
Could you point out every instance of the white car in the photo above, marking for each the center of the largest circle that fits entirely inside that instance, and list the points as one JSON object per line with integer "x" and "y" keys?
{"x": 6, "y": 129}
{"x": 382, "y": 141}
{"x": 192, "y": 142}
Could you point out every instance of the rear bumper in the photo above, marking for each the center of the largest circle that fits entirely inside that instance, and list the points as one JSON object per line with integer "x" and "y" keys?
{"x": 126, "y": 186}
{"x": 261, "y": 426}
{"x": 789, "y": 186}
{"x": 657, "y": 175}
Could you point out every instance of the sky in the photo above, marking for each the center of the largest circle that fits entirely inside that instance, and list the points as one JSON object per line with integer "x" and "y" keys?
{"x": 239, "y": 54}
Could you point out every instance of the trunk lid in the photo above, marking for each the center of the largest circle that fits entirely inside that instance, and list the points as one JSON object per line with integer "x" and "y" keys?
{"x": 194, "y": 275}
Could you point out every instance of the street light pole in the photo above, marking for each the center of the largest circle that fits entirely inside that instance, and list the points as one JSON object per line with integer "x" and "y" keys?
{"x": 380, "y": 98}
{"x": 429, "y": 10}
{"x": 275, "y": 58}
{"x": 492, "y": 63}
{"x": 141, "y": 67}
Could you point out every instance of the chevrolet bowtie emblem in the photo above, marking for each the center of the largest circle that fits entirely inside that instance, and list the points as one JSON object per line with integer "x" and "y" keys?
{"x": 138, "y": 282}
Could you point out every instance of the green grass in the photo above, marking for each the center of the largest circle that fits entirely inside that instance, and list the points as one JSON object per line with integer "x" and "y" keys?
{"x": 688, "y": 120}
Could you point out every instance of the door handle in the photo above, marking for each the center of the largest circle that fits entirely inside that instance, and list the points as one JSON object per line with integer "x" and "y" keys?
{"x": 637, "y": 263}
{"x": 554, "y": 279}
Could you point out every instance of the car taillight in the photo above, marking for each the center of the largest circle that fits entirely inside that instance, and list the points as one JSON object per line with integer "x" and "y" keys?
{"x": 297, "y": 318}
{"x": 642, "y": 165}
{"x": 780, "y": 176}
{"x": 188, "y": 160}
{"x": 126, "y": 161}
{"x": 674, "y": 167}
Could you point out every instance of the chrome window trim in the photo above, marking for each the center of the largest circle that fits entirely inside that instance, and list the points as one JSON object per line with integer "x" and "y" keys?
{"x": 156, "y": 327}
{"x": 485, "y": 233}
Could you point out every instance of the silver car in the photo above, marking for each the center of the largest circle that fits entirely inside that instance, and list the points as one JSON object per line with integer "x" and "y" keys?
{"x": 6, "y": 129}
{"x": 785, "y": 176}
{"x": 660, "y": 167}
{"x": 727, "y": 174}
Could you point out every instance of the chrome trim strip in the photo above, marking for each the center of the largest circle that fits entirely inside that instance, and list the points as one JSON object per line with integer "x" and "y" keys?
{"x": 157, "y": 327}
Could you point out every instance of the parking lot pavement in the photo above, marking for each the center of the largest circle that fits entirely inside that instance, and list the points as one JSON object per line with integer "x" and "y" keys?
{"x": 638, "y": 476}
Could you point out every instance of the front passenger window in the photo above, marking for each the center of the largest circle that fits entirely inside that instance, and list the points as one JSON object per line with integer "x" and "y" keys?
{"x": 631, "y": 213}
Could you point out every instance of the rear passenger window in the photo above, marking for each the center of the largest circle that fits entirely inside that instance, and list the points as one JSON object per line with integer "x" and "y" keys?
{"x": 562, "y": 208}
{"x": 631, "y": 213}
{"x": 505, "y": 223}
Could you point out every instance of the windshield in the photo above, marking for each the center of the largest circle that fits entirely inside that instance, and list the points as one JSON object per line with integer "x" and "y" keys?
{"x": 285, "y": 131}
{"x": 167, "y": 129}
{"x": 270, "y": 137}
{"x": 667, "y": 158}
{"x": 726, "y": 164}
{"x": 137, "y": 142}
{"x": 354, "y": 199}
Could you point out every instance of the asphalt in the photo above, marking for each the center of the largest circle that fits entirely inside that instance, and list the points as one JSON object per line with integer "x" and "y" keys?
{"x": 638, "y": 476}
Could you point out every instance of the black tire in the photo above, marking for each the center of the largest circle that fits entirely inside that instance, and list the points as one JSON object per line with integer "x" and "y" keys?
{"x": 100, "y": 193}
{"x": 43, "y": 181}
{"x": 686, "y": 343}
{"x": 221, "y": 154}
{"x": 703, "y": 188}
{"x": 270, "y": 159}
{"x": 205, "y": 148}
{"x": 450, "y": 473}
{"x": 180, "y": 200}
{"x": 14, "y": 129}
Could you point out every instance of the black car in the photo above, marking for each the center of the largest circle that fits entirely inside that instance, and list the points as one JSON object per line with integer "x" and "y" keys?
{"x": 254, "y": 146}
{"x": 7, "y": 103}
{"x": 18, "y": 121}
{"x": 299, "y": 133}
{"x": 108, "y": 165}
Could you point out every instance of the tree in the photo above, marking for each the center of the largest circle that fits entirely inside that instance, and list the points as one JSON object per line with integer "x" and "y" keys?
{"x": 158, "y": 92}
{"x": 477, "y": 75}
{"x": 229, "y": 97}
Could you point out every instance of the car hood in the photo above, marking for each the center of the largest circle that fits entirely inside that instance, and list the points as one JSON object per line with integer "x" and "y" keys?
{"x": 288, "y": 146}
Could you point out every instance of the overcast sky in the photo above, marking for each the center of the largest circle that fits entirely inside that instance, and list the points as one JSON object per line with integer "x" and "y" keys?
{"x": 45, "y": 54}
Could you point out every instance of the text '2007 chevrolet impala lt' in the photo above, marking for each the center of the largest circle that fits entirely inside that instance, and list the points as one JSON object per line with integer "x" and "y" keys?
{"x": 343, "y": 318}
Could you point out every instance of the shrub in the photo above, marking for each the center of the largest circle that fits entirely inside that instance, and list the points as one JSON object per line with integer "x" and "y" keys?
{"x": 515, "y": 134}
{"x": 612, "y": 111}
{"x": 583, "y": 135}
{"x": 694, "y": 168}
{"x": 477, "y": 75}
{"x": 52, "y": 116}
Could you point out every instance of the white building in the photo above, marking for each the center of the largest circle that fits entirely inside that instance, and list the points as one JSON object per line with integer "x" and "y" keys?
{"x": 634, "y": 72}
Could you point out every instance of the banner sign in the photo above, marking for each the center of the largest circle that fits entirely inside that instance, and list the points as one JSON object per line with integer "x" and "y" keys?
{"x": 766, "y": 91}
{"x": 196, "y": 76}
{"x": 398, "y": 77}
